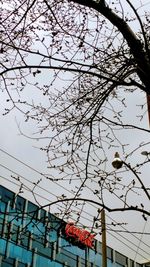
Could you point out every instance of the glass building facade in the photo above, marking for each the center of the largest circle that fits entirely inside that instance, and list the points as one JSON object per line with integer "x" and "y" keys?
{"x": 30, "y": 236}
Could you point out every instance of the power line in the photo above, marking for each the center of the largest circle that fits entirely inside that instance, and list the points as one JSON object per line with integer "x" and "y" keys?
{"x": 130, "y": 246}
{"x": 33, "y": 169}
{"x": 131, "y": 232}
{"x": 108, "y": 229}
{"x": 129, "y": 241}
{"x": 34, "y": 193}
{"x": 81, "y": 215}
{"x": 37, "y": 185}
{"x": 138, "y": 247}
{"x": 43, "y": 197}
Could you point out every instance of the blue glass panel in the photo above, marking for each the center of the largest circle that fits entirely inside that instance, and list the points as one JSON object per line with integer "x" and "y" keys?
{"x": 24, "y": 239}
{"x": 1, "y": 225}
{"x": 20, "y": 264}
{"x": 72, "y": 249}
{"x": 55, "y": 222}
{"x": 65, "y": 256}
{"x": 1, "y": 188}
{"x": 20, "y": 253}
{"x": 2, "y": 209}
{"x": 6, "y": 195}
{"x": 44, "y": 251}
{"x": 121, "y": 259}
{"x": 112, "y": 264}
{"x": 44, "y": 262}
{"x": 6, "y": 264}
{"x": 109, "y": 253}
{"x": 2, "y": 246}
{"x": 94, "y": 257}
{"x": 8, "y": 261}
{"x": 53, "y": 235}
{"x": 82, "y": 262}
{"x": 42, "y": 216}
{"x": 119, "y": 265}
{"x": 32, "y": 210}
{"x": 14, "y": 234}
{"x": 19, "y": 203}
{"x": 36, "y": 228}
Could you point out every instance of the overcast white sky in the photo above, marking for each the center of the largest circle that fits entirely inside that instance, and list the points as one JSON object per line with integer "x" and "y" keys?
{"x": 24, "y": 150}
{"x": 134, "y": 246}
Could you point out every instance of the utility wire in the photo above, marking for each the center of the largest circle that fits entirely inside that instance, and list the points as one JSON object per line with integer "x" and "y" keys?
{"x": 130, "y": 242}
{"x": 108, "y": 229}
{"x": 89, "y": 214}
{"x": 132, "y": 233}
{"x": 33, "y": 169}
{"x": 81, "y": 215}
{"x": 129, "y": 232}
{"x": 147, "y": 259}
{"x": 47, "y": 199}
{"x": 41, "y": 196}
{"x": 138, "y": 247}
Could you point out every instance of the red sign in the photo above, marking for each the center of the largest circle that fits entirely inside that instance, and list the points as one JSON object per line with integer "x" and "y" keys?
{"x": 80, "y": 235}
